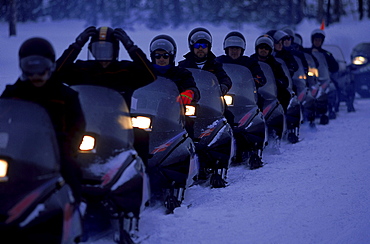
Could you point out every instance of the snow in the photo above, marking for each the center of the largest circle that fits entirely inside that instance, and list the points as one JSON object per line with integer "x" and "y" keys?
{"x": 315, "y": 191}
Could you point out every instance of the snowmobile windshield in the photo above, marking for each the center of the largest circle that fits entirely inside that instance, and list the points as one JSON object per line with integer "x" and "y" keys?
{"x": 299, "y": 78}
{"x": 158, "y": 102}
{"x": 269, "y": 90}
{"x": 244, "y": 91}
{"x": 286, "y": 71}
{"x": 102, "y": 51}
{"x": 211, "y": 104}
{"x": 28, "y": 146}
{"x": 323, "y": 67}
{"x": 107, "y": 118}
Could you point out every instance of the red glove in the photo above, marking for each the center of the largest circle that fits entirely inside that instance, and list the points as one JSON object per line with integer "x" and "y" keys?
{"x": 187, "y": 96}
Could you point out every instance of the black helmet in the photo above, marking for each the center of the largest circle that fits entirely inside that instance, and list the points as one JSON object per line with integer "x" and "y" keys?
{"x": 104, "y": 46}
{"x": 36, "y": 55}
{"x": 199, "y": 34}
{"x": 165, "y": 43}
{"x": 318, "y": 33}
{"x": 264, "y": 39}
{"x": 298, "y": 39}
{"x": 234, "y": 39}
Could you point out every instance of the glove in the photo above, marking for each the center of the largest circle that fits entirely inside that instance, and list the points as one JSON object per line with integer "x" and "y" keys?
{"x": 85, "y": 35}
{"x": 224, "y": 89}
{"x": 121, "y": 35}
{"x": 187, "y": 96}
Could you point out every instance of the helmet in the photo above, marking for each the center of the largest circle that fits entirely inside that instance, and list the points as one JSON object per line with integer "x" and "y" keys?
{"x": 234, "y": 39}
{"x": 199, "y": 34}
{"x": 290, "y": 32}
{"x": 277, "y": 35}
{"x": 104, "y": 46}
{"x": 163, "y": 42}
{"x": 36, "y": 56}
{"x": 317, "y": 33}
{"x": 264, "y": 39}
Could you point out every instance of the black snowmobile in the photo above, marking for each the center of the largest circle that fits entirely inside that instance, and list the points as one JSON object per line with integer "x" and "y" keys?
{"x": 317, "y": 90}
{"x": 35, "y": 203}
{"x": 115, "y": 185}
{"x": 328, "y": 87}
{"x": 360, "y": 67}
{"x": 250, "y": 130}
{"x": 157, "y": 110}
{"x": 273, "y": 111}
{"x": 302, "y": 89}
{"x": 293, "y": 114}
{"x": 213, "y": 136}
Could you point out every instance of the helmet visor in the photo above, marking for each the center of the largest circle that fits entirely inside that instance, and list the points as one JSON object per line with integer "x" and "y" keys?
{"x": 162, "y": 44}
{"x": 234, "y": 41}
{"x": 102, "y": 51}
{"x": 35, "y": 65}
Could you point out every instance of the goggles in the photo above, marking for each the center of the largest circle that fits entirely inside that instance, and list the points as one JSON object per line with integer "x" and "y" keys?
{"x": 198, "y": 45}
{"x": 159, "y": 55}
{"x": 35, "y": 64}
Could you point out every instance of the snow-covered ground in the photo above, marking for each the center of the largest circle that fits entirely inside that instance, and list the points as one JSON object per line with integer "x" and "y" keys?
{"x": 315, "y": 191}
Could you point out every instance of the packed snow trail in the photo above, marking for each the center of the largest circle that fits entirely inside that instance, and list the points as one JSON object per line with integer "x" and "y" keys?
{"x": 315, "y": 191}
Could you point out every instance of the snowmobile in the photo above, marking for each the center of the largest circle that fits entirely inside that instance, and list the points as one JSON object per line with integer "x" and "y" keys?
{"x": 157, "y": 110}
{"x": 293, "y": 114}
{"x": 304, "y": 94}
{"x": 250, "y": 130}
{"x": 328, "y": 87}
{"x": 273, "y": 111}
{"x": 36, "y": 204}
{"x": 115, "y": 185}
{"x": 317, "y": 90}
{"x": 360, "y": 66}
{"x": 346, "y": 87}
{"x": 213, "y": 135}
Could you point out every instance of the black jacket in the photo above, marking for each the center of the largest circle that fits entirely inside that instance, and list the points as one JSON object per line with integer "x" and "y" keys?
{"x": 289, "y": 60}
{"x": 183, "y": 79}
{"x": 123, "y": 76}
{"x": 330, "y": 60}
{"x": 251, "y": 64}
{"x": 210, "y": 65}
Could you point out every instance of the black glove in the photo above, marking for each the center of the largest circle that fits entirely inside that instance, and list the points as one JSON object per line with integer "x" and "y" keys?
{"x": 85, "y": 35}
{"x": 121, "y": 35}
{"x": 224, "y": 89}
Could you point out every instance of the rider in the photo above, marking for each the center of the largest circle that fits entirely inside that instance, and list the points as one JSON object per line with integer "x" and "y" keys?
{"x": 234, "y": 46}
{"x": 264, "y": 47}
{"x": 106, "y": 70}
{"x": 39, "y": 83}
{"x": 163, "y": 50}
{"x": 163, "y": 53}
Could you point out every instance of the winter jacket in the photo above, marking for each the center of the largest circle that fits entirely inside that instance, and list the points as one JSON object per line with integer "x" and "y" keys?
{"x": 289, "y": 60}
{"x": 210, "y": 65}
{"x": 282, "y": 81}
{"x": 123, "y": 76}
{"x": 64, "y": 108}
{"x": 251, "y": 64}
{"x": 330, "y": 60}
{"x": 183, "y": 79}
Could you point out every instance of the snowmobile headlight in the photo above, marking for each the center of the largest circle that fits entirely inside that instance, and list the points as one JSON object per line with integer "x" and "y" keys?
{"x": 3, "y": 170}
{"x": 88, "y": 143}
{"x": 313, "y": 72}
{"x": 359, "y": 60}
{"x": 229, "y": 99}
{"x": 190, "y": 110}
{"x": 302, "y": 77}
{"x": 142, "y": 122}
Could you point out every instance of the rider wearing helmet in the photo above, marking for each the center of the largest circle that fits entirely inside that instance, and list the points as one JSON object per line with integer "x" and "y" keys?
{"x": 38, "y": 83}
{"x": 163, "y": 53}
{"x": 279, "y": 37}
{"x": 264, "y": 47}
{"x": 201, "y": 57}
{"x": 234, "y": 46}
{"x": 106, "y": 70}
